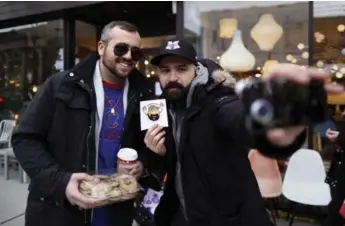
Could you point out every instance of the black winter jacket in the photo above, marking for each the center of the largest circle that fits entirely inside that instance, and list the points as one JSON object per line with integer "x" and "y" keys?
{"x": 218, "y": 184}
{"x": 56, "y": 137}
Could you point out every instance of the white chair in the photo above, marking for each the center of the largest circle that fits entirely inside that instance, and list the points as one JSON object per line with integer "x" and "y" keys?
{"x": 6, "y": 153}
{"x": 6, "y": 127}
{"x": 304, "y": 180}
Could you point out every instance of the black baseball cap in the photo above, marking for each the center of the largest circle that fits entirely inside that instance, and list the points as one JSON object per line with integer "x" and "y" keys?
{"x": 176, "y": 47}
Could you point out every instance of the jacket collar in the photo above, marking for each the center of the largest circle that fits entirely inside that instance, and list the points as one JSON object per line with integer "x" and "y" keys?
{"x": 84, "y": 71}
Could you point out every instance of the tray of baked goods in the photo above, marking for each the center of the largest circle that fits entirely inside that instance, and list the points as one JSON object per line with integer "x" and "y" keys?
{"x": 111, "y": 188}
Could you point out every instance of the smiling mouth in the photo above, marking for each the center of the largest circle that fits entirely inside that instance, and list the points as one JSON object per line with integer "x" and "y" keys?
{"x": 125, "y": 65}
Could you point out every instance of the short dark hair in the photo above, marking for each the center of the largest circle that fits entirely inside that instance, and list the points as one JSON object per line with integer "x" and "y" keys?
{"x": 124, "y": 25}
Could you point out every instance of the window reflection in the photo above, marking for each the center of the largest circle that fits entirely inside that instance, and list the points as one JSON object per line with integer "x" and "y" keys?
{"x": 28, "y": 55}
{"x": 86, "y": 40}
{"x": 248, "y": 38}
{"x": 329, "y": 44}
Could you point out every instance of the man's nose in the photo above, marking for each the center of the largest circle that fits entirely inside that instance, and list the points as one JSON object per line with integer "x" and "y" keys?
{"x": 128, "y": 55}
{"x": 173, "y": 77}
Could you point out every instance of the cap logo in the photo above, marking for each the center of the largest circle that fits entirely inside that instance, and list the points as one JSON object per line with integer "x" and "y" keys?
{"x": 172, "y": 45}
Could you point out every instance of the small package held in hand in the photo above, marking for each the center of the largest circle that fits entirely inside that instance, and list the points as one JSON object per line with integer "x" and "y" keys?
{"x": 342, "y": 210}
{"x": 111, "y": 188}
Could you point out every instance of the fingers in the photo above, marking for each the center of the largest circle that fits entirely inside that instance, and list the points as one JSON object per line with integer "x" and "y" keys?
{"x": 302, "y": 75}
{"x": 284, "y": 137}
{"x": 288, "y": 71}
{"x": 137, "y": 171}
{"x": 334, "y": 88}
{"x": 296, "y": 73}
{"x": 161, "y": 147}
{"x": 81, "y": 176}
{"x": 153, "y": 137}
{"x": 77, "y": 198}
{"x": 123, "y": 168}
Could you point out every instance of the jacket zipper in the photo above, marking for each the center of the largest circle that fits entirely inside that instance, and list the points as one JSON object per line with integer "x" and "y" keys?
{"x": 87, "y": 144}
{"x": 88, "y": 153}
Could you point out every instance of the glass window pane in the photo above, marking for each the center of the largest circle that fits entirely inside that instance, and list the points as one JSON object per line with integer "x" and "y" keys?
{"x": 329, "y": 54}
{"x": 28, "y": 55}
{"x": 86, "y": 40}
{"x": 246, "y": 36}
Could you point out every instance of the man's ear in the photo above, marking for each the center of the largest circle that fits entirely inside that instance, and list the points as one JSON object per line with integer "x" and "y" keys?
{"x": 101, "y": 46}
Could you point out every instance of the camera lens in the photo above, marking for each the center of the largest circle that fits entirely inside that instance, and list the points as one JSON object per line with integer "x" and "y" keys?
{"x": 261, "y": 111}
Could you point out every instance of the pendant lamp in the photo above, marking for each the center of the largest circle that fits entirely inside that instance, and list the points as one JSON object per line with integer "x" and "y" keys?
{"x": 227, "y": 27}
{"x": 266, "y": 32}
{"x": 237, "y": 57}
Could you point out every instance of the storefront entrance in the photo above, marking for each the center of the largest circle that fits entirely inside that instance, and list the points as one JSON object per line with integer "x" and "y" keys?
{"x": 30, "y": 53}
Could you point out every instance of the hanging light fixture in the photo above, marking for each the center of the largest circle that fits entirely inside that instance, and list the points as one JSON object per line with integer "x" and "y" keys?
{"x": 227, "y": 27}
{"x": 237, "y": 57}
{"x": 269, "y": 64}
{"x": 305, "y": 55}
{"x": 300, "y": 46}
{"x": 266, "y": 32}
{"x": 289, "y": 57}
{"x": 341, "y": 28}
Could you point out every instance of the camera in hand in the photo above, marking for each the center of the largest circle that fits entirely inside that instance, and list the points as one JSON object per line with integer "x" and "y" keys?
{"x": 279, "y": 103}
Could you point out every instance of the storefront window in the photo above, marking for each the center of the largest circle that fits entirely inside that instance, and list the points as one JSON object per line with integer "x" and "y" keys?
{"x": 28, "y": 55}
{"x": 247, "y": 38}
{"x": 150, "y": 46}
{"x": 86, "y": 40}
{"x": 329, "y": 54}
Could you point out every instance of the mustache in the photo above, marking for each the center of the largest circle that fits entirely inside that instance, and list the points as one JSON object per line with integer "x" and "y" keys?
{"x": 124, "y": 60}
{"x": 173, "y": 85}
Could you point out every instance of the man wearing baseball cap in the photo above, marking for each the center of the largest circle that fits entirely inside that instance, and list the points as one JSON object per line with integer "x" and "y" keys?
{"x": 210, "y": 181}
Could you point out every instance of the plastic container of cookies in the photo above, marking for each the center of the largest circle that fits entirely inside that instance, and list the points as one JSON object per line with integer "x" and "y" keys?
{"x": 111, "y": 188}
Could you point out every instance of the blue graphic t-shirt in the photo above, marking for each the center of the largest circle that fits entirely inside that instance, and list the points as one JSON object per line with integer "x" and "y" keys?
{"x": 109, "y": 139}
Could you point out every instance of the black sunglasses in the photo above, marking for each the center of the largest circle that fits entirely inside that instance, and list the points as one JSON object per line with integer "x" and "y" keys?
{"x": 120, "y": 49}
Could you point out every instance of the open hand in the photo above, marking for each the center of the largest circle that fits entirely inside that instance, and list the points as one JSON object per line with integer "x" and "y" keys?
{"x": 332, "y": 135}
{"x": 135, "y": 169}
{"x": 302, "y": 75}
{"x": 75, "y": 197}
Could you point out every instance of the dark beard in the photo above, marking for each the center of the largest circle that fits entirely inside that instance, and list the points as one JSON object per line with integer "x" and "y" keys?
{"x": 112, "y": 70}
{"x": 177, "y": 100}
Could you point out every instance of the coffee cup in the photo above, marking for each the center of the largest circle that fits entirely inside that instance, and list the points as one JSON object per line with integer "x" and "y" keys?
{"x": 125, "y": 158}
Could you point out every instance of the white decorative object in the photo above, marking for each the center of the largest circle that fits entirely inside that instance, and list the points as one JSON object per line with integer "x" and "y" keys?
{"x": 227, "y": 27}
{"x": 153, "y": 112}
{"x": 172, "y": 45}
{"x": 266, "y": 32}
{"x": 237, "y": 57}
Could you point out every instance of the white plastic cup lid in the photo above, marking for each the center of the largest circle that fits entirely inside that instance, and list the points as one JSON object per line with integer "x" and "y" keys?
{"x": 127, "y": 154}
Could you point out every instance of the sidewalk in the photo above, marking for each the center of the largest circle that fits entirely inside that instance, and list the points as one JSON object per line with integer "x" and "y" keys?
{"x": 13, "y": 201}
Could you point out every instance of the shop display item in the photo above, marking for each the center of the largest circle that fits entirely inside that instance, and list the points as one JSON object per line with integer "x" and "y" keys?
{"x": 279, "y": 103}
{"x": 111, "y": 189}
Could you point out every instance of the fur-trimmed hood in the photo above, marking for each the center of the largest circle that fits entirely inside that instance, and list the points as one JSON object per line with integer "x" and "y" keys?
{"x": 218, "y": 74}
{"x": 224, "y": 77}
{"x": 209, "y": 72}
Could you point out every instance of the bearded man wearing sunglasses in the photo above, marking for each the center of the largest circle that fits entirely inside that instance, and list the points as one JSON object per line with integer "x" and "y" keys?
{"x": 76, "y": 124}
